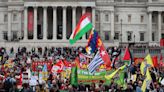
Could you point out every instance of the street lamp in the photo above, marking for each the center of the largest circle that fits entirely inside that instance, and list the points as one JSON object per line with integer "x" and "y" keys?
{"x": 121, "y": 33}
{"x": 121, "y": 41}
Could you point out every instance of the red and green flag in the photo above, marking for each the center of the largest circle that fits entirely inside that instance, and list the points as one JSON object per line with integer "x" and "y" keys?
{"x": 82, "y": 27}
{"x": 127, "y": 56}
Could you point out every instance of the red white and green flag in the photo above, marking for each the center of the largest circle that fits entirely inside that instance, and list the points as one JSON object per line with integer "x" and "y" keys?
{"x": 128, "y": 57}
{"x": 82, "y": 27}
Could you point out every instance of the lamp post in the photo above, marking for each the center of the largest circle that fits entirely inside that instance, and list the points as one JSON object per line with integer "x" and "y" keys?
{"x": 121, "y": 33}
{"x": 134, "y": 38}
{"x": 121, "y": 41}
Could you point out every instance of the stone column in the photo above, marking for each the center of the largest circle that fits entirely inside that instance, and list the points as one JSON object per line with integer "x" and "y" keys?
{"x": 54, "y": 23}
{"x": 83, "y": 12}
{"x": 73, "y": 18}
{"x": 159, "y": 25}
{"x": 9, "y": 25}
{"x": 64, "y": 23}
{"x": 150, "y": 27}
{"x": 20, "y": 24}
{"x": 44, "y": 23}
{"x": 35, "y": 23}
{"x": 112, "y": 24}
{"x": 25, "y": 23}
{"x": 93, "y": 16}
{"x": 101, "y": 24}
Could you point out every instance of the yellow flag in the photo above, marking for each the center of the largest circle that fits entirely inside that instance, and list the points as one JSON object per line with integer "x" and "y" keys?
{"x": 114, "y": 73}
{"x": 148, "y": 76}
{"x": 111, "y": 75}
{"x": 149, "y": 60}
{"x": 142, "y": 67}
{"x": 147, "y": 79}
{"x": 143, "y": 88}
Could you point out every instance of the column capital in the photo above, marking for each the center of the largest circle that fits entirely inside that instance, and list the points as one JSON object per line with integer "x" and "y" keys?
{"x": 83, "y": 7}
{"x": 93, "y": 7}
{"x": 44, "y": 7}
{"x": 73, "y": 6}
{"x": 25, "y": 7}
{"x": 150, "y": 12}
{"x": 54, "y": 7}
{"x": 159, "y": 12}
{"x": 35, "y": 7}
{"x": 64, "y": 7}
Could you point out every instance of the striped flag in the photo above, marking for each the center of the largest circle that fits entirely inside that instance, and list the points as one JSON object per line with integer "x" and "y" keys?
{"x": 95, "y": 63}
{"x": 82, "y": 27}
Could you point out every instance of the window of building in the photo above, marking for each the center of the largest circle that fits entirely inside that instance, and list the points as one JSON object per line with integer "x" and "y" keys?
{"x": 106, "y": 17}
{"x": 116, "y": 18}
{"x": 97, "y": 17}
{"x": 129, "y": 36}
{"x": 116, "y": 36}
{"x": 5, "y": 18}
{"x": 142, "y": 36}
{"x": 106, "y": 33}
{"x": 5, "y": 35}
{"x": 162, "y": 36}
{"x": 153, "y": 36}
{"x": 14, "y": 35}
{"x": 14, "y": 17}
{"x": 142, "y": 18}
{"x": 129, "y": 18}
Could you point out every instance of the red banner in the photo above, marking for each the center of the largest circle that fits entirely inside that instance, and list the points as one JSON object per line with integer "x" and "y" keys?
{"x": 162, "y": 42}
{"x": 30, "y": 20}
{"x": 38, "y": 65}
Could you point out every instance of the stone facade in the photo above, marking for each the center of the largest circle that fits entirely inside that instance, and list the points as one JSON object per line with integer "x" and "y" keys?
{"x": 117, "y": 21}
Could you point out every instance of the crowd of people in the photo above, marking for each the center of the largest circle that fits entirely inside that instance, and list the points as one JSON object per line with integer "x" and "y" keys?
{"x": 9, "y": 76}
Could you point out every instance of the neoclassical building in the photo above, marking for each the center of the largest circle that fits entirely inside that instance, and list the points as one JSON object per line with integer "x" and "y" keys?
{"x": 34, "y": 23}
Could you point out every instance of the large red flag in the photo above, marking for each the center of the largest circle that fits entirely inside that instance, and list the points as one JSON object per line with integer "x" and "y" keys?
{"x": 155, "y": 61}
{"x": 103, "y": 53}
{"x": 126, "y": 55}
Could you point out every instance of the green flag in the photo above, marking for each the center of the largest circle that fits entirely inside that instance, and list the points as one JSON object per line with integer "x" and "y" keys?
{"x": 120, "y": 80}
{"x": 74, "y": 80}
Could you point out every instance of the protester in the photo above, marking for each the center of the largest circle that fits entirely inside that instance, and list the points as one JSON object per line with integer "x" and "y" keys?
{"x": 15, "y": 63}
